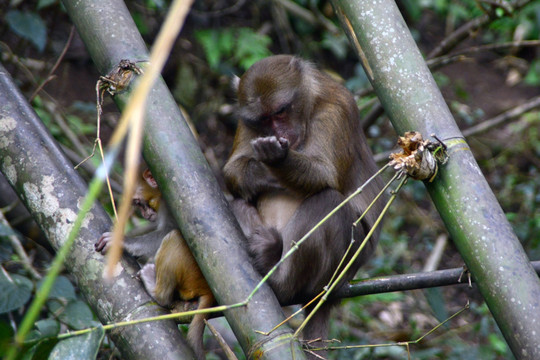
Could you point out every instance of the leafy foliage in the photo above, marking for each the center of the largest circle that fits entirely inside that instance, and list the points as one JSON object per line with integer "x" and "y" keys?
{"x": 14, "y": 291}
{"x": 81, "y": 347}
{"x": 243, "y": 46}
{"x": 29, "y": 26}
{"x": 214, "y": 46}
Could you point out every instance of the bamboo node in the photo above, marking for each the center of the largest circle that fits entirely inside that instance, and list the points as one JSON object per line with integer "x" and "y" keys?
{"x": 419, "y": 158}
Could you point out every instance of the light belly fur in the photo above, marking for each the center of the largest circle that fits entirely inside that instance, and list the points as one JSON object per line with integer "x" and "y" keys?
{"x": 277, "y": 208}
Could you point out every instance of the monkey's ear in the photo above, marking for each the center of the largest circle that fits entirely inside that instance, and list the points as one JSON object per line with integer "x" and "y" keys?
{"x": 235, "y": 81}
{"x": 147, "y": 175}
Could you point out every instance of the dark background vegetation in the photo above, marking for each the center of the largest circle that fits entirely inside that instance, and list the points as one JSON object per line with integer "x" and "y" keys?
{"x": 222, "y": 38}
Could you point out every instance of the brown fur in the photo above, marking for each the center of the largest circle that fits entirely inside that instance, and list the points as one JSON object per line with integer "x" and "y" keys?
{"x": 298, "y": 152}
{"x": 175, "y": 270}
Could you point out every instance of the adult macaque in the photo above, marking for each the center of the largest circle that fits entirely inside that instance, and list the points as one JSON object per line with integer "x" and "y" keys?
{"x": 174, "y": 270}
{"x": 298, "y": 152}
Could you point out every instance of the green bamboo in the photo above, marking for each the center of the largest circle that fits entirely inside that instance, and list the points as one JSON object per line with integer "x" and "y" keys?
{"x": 53, "y": 192}
{"x": 56, "y": 266}
{"x": 461, "y": 194}
{"x": 186, "y": 180}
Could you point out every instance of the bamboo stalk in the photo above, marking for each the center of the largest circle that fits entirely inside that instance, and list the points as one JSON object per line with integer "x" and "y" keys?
{"x": 461, "y": 194}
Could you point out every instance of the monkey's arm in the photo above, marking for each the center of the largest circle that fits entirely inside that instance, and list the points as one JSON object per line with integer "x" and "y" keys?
{"x": 307, "y": 171}
{"x": 247, "y": 177}
{"x": 143, "y": 247}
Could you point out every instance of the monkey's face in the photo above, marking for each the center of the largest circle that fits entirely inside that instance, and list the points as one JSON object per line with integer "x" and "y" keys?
{"x": 147, "y": 197}
{"x": 146, "y": 209}
{"x": 267, "y": 97}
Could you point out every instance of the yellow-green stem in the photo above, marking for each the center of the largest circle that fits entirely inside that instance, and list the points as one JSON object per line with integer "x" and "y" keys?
{"x": 351, "y": 261}
{"x": 304, "y": 238}
{"x": 56, "y": 266}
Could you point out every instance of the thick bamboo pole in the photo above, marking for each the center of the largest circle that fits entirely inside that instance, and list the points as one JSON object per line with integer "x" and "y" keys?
{"x": 467, "y": 205}
{"x": 52, "y": 191}
{"x": 189, "y": 186}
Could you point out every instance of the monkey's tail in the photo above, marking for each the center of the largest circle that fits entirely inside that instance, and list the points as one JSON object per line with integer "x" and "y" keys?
{"x": 196, "y": 328}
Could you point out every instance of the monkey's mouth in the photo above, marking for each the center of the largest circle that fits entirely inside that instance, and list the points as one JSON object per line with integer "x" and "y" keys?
{"x": 148, "y": 213}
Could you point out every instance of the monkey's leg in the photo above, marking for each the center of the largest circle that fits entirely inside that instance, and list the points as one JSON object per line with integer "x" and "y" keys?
{"x": 247, "y": 216}
{"x": 317, "y": 328}
{"x": 310, "y": 267}
{"x": 160, "y": 279}
{"x": 148, "y": 276}
{"x": 196, "y": 328}
{"x": 264, "y": 243}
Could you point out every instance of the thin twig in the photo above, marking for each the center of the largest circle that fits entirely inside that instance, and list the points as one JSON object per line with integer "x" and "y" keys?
{"x": 308, "y": 234}
{"x": 120, "y": 324}
{"x": 438, "y": 62}
{"x": 51, "y": 76}
{"x": 229, "y": 354}
{"x": 499, "y": 119}
{"x": 308, "y": 16}
{"x": 405, "y": 344}
{"x": 435, "y": 256}
{"x": 465, "y": 30}
{"x": 97, "y": 143}
{"x": 357, "y": 253}
{"x": 19, "y": 250}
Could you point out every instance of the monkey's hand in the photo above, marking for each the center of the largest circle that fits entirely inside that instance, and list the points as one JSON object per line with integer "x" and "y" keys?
{"x": 104, "y": 243}
{"x": 270, "y": 150}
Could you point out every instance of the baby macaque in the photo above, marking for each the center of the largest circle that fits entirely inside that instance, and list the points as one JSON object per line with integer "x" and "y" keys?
{"x": 174, "y": 269}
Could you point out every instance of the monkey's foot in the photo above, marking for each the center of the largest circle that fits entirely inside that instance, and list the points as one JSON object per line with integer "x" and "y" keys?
{"x": 148, "y": 276}
{"x": 104, "y": 243}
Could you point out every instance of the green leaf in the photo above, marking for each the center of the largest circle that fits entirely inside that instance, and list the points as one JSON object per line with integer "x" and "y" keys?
{"x": 83, "y": 347}
{"x": 497, "y": 343}
{"x": 62, "y": 289}
{"x": 337, "y": 44}
{"x": 209, "y": 40}
{"x": 251, "y": 47}
{"x": 77, "y": 315}
{"x": 6, "y": 336}
{"x": 140, "y": 22}
{"x": 226, "y": 42}
{"x": 533, "y": 76}
{"x": 79, "y": 126}
{"x": 29, "y": 26}
{"x": 436, "y": 302}
{"x": 47, "y": 328}
{"x": 15, "y": 291}
{"x": 187, "y": 85}
{"x": 41, "y": 350}
{"x": 44, "y": 3}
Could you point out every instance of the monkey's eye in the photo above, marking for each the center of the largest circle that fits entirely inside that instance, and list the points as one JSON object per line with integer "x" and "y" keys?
{"x": 265, "y": 119}
{"x": 281, "y": 113}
